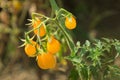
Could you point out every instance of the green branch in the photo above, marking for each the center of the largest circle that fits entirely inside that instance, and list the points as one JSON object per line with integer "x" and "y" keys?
{"x": 54, "y": 6}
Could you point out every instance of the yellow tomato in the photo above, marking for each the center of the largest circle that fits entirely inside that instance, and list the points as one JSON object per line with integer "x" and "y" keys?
{"x": 70, "y": 22}
{"x": 41, "y": 31}
{"x": 30, "y": 48}
{"x": 46, "y": 61}
{"x": 53, "y": 45}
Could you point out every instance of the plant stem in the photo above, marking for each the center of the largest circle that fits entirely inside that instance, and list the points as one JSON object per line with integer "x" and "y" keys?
{"x": 70, "y": 43}
{"x": 33, "y": 15}
{"x": 54, "y": 6}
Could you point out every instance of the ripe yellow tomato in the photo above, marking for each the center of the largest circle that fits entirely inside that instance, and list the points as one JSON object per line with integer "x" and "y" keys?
{"x": 41, "y": 29}
{"x": 53, "y": 45}
{"x": 30, "y": 48}
{"x": 46, "y": 61}
{"x": 70, "y": 22}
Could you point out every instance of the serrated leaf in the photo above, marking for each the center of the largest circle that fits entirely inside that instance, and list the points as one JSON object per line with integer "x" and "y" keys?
{"x": 82, "y": 52}
{"x": 78, "y": 44}
{"x": 87, "y": 43}
{"x": 117, "y": 47}
{"x": 73, "y": 75}
{"x": 106, "y": 39}
{"x": 76, "y": 60}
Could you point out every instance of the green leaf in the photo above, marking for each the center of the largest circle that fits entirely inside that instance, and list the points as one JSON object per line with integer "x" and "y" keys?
{"x": 114, "y": 72}
{"x": 76, "y": 59}
{"x": 87, "y": 43}
{"x": 73, "y": 75}
{"x": 84, "y": 72}
{"x": 117, "y": 47}
{"x": 83, "y": 52}
{"x": 78, "y": 44}
{"x": 106, "y": 39}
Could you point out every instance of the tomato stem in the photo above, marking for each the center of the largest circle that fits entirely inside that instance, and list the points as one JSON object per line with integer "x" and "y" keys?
{"x": 54, "y": 6}
{"x": 33, "y": 15}
{"x": 70, "y": 42}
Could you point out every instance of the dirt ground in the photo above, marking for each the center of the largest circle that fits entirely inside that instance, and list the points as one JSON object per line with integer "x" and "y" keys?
{"x": 19, "y": 72}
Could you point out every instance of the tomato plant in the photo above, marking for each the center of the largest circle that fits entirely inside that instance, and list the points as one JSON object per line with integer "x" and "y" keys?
{"x": 90, "y": 60}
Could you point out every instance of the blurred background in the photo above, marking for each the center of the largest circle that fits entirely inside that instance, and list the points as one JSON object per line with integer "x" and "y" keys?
{"x": 95, "y": 19}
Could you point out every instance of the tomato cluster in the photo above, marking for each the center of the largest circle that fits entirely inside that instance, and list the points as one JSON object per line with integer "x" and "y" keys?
{"x": 45, "y": 59}
{"x": 45, "y": 50}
